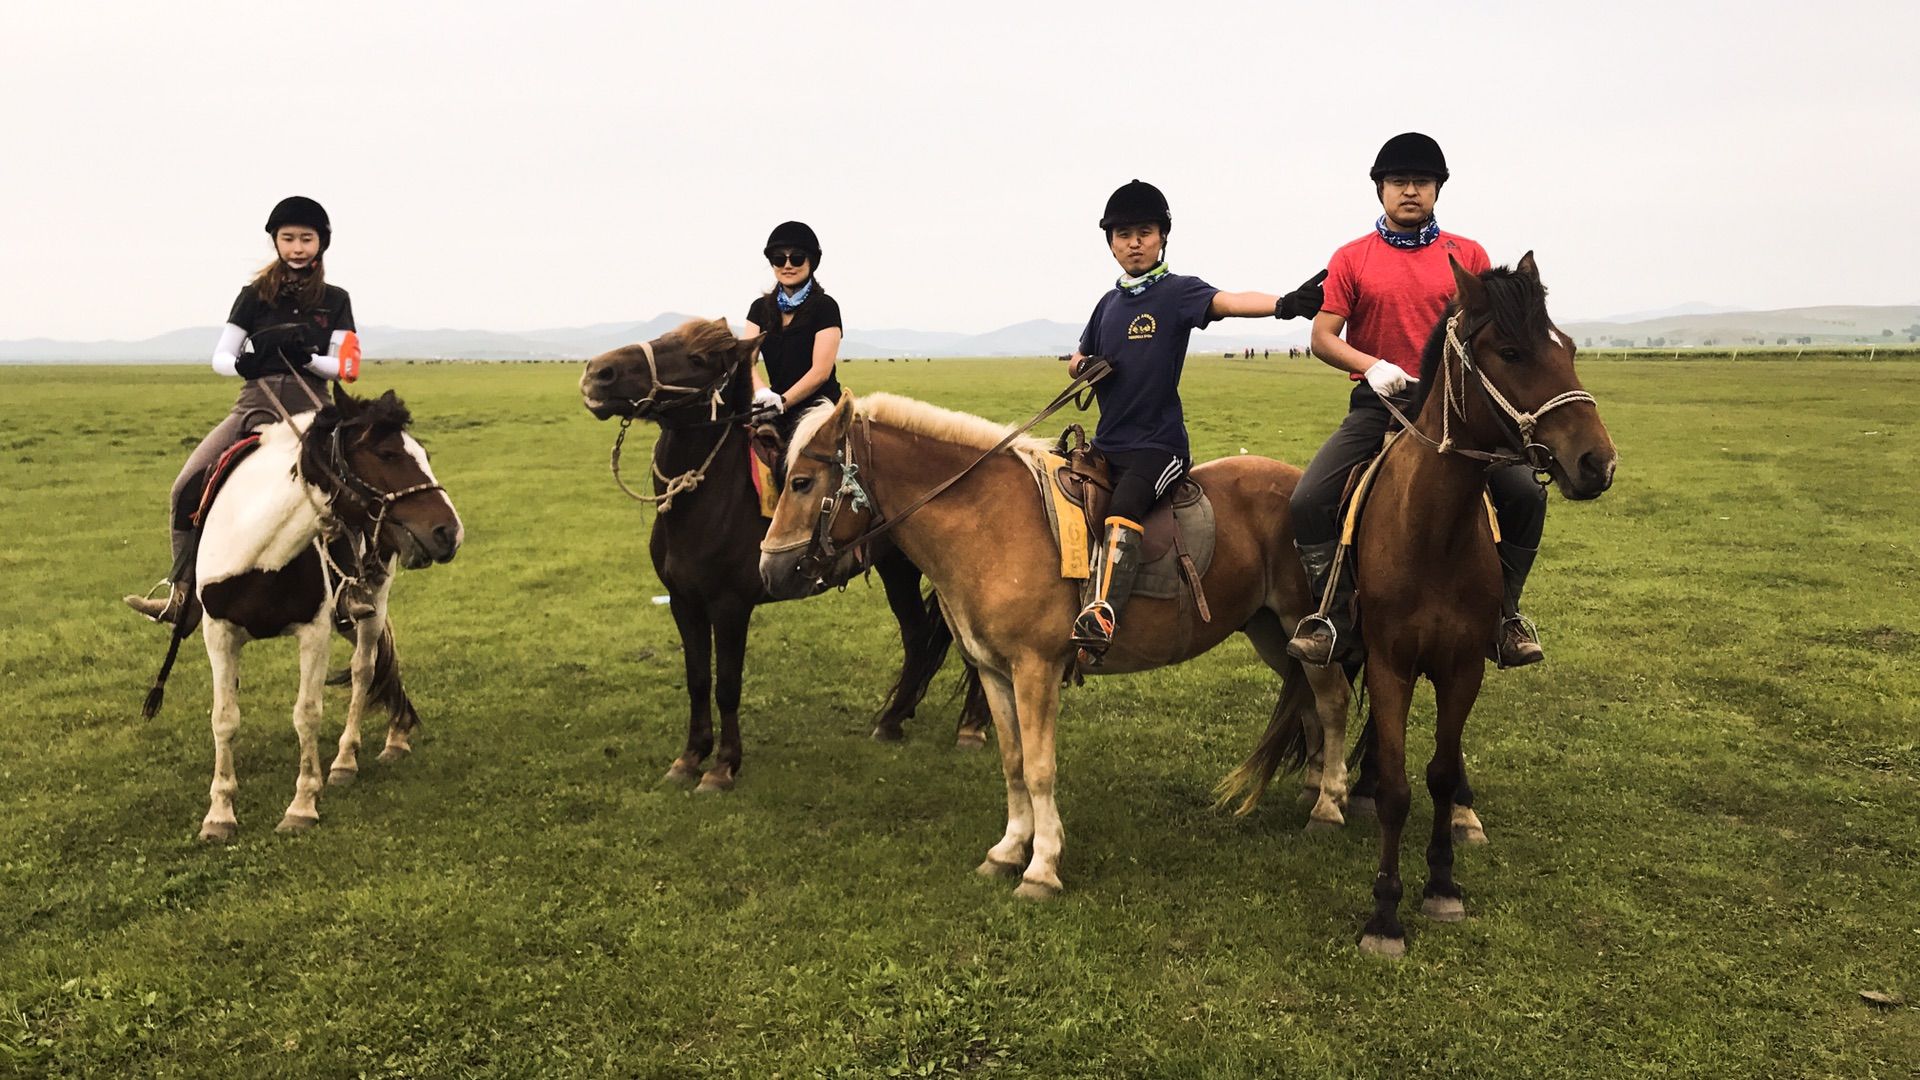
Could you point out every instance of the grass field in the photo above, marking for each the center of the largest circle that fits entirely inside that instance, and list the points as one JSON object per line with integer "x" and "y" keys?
{"x": 1704, "y": 808}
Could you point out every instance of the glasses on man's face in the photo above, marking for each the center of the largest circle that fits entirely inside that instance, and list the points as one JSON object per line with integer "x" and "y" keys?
{"x": 1398, "y": 180}
{"x": 777, "y": 259}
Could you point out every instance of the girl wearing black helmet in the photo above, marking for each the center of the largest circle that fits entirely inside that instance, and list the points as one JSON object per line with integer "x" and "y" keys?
{"x": 1142, "y": 327}
{"x": 803, "y": 329}
{"x": 289, "y": 332}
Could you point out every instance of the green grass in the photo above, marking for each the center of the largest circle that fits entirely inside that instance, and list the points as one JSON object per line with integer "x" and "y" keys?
{"x": 1702, "y": 808}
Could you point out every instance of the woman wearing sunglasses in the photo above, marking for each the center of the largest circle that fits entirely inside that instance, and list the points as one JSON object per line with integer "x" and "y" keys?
{"x": 802, "y": 324}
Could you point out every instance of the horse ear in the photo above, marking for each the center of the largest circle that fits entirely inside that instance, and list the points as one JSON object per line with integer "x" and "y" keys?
{"x": 1527, "y": 266}
{"x": 748, "y": 348}
{"x": 1473, "y": 294}
{"x": 344, "y": 402}
{"x": 842, "y": 418}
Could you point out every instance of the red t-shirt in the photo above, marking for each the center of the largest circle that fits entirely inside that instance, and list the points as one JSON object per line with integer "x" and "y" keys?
{"x": 1391, "y": 296}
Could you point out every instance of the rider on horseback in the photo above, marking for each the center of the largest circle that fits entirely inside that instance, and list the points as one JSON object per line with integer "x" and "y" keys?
{"x": 301, "y": 334}
{"x": 1387, "y": 290}
{"x": 803, "y": 329}
{"x": 1142, "y": 328}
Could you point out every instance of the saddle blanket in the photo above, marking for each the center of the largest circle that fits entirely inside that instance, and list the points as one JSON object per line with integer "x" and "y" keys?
{"x": 1159, "y": 579}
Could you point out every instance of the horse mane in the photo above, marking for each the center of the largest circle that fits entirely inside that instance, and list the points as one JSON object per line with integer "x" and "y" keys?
{"x": 1518, "y": 304}
{"x": 703, "y": 337}
{"x": 918, "y": 418}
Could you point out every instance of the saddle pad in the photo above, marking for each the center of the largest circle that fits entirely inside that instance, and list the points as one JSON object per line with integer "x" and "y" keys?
{"x": 216, "y": 475}
{"x": 1159, "y": 579}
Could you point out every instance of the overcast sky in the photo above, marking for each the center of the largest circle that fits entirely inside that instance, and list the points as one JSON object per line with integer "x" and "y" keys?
{"x": 515, "y": 166}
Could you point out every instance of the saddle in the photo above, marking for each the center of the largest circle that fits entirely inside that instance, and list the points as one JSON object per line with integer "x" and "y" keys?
{"x": 216, "y": 475}
{"x": 1177, "y": 543}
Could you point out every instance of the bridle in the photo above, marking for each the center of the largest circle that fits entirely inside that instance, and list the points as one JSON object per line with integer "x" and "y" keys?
{"x": 849, "y": 493}
{"x": 1521, "y": 449}
{"x": 655, "y": 407}
{"x": 338, "y": 480}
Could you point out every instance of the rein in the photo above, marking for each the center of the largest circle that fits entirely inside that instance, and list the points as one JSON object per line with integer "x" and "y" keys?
{"x": 644, "y": 407}
{"x": 1534, "y": 455}
{"x": 820, "y": 545}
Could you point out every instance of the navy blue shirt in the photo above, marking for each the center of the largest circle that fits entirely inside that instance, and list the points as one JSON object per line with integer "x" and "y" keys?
{"x": 1146, "y": 338}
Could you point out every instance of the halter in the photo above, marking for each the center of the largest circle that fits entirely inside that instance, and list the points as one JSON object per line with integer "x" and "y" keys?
{"x": 1525, "y": 451}
{"x": 714, "y": 392}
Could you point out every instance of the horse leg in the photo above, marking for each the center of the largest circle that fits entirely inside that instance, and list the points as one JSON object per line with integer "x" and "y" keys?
{"x": 1392, "y": 697}
{"x": 901, "y": 579}
{"x": 223, "y": 657}
{"x": 730, "y": 623}
{"x": 975, "y": 716}
{"x": 1466, "y": 823}
{"x": 1008, "y": 857}
{"x": 304, "y": 811}
{"x": 1324, "y": 785}
{"x": 366, "y": 645}
{"x": 1454, "y": 695}
{"x": 696, "y": 645}
{"x": 1036, "y": 689}
{"x": 1366, "y": 771}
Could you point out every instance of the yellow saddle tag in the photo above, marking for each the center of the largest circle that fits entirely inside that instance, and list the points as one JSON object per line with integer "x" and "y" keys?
{"x": 1070, "y": 523}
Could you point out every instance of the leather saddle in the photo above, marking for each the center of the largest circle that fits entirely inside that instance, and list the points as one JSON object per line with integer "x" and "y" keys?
{"x": 216, "y": 475}
{"x": 1086, "y": 482}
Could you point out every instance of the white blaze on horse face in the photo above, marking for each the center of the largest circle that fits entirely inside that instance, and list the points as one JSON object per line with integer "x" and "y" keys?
{"x": 1553, "y": 337}
{"x": 265, "y": 514}
{"x": 419, "y": 454}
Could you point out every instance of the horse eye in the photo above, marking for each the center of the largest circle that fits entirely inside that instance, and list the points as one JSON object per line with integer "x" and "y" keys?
{"x": 1510, "y": 354}
{"x": 802, "y": 483}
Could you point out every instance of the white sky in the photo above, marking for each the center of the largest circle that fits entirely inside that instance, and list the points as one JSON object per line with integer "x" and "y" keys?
{"x": 513, "y": 166}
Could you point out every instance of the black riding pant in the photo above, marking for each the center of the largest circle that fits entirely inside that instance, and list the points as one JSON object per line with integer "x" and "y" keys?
{"x": 1141, "y": 478}
{"x": 1519, "y": 502}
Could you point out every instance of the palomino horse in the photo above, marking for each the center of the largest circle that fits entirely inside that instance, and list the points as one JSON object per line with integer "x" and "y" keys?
{"x": 344, "y": 486}
{"x": 1499, "y": 389}
{"x": 696, "y": 383}
{"x": 986, "y": 546}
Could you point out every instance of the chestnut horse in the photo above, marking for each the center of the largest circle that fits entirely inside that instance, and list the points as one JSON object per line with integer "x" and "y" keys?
{"x": 986, "y": 545}
{"x": 343, "y": 487}
{"x": 1499, "y": 388}
{"x": 696, "y": 384}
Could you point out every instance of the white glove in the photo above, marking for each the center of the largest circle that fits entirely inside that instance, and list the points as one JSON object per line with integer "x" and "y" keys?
{"x": 767, "y": 399}
{"x": 1387, "y": 379}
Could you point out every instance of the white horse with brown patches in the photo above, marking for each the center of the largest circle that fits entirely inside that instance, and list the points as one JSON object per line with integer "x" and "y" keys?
{"x": 308, "y": 527}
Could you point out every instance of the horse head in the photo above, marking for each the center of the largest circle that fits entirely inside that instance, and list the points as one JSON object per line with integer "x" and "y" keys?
{"x": 693, "y": 366}
{"x": 1534, "y": 402}
{"x": 382, "y": 479}
{"x": 823, "y": 507}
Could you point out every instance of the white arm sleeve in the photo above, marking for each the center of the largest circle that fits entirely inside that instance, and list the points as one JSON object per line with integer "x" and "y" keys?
{"x": 328, "y": 366}
{"x": 227, "y": 353}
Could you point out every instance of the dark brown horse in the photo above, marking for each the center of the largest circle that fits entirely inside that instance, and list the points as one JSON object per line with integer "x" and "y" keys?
{"x": 1500, "y": 388}
{"x": 696, "y": 384}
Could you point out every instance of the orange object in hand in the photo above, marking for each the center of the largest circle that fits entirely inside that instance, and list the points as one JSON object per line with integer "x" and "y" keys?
{"x": 350, "y": 357}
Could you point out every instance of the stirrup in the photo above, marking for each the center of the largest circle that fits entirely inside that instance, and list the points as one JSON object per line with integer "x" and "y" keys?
{"x": 144, "y": 606}
{"x": 1093, "y": 627}
{"x": 1302, "y": 640}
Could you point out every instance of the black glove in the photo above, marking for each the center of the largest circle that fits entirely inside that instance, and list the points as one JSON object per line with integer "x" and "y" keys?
{"x": 252, "y": 365}
{"x": 1303, "y": 301}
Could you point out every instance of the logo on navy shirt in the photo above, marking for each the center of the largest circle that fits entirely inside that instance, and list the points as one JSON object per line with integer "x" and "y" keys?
{"x": 1142, "y": 327}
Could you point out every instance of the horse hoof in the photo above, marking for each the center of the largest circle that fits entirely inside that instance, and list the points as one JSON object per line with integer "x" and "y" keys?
{"x": 1393, "y": 948}
{"x": 1317, "y": 827}
{"x": 342, "y": 777}
{"x": 1443, "y": 908}
{"x": 1469, "y": 834}
{"x": 713, "y": 783}
{"x": 970, "y": 740}
{"x": 1036, "y": 891}
{"x": 296, "y": 823}
{"x": 884, "y": 733}
{"x": 218, "y": 832}
{"x": 1362, "y": 806}
{"x": 681, "y": 776}
{"x": 990, "y": 868}
{"x": 394, "y": 754}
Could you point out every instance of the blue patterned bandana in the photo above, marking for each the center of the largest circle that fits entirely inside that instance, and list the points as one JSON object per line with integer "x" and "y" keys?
{"x": 1428, "y": 234}
{"x": 789, "y": 303}
{"x": 1134, "y": 286}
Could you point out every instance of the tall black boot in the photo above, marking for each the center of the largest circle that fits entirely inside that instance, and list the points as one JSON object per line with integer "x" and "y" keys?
{"x": 1118, "y": 565}
{"x": 1517, "y": 644}
{"x": 1327, "y": 635}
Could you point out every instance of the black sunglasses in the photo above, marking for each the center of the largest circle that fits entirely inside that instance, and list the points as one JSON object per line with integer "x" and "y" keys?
{"x": 786, "y": 258}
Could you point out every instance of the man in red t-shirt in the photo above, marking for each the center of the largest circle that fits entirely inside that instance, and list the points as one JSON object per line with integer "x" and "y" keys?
{"x": 1387, "y": 290}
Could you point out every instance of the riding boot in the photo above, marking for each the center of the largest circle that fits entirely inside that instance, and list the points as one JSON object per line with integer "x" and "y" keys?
{"x": 1517, "y": 644}
{"x": 180, "y": 597}
{"x": 1114, "y": 572}
{"x": 1327, "y": 635}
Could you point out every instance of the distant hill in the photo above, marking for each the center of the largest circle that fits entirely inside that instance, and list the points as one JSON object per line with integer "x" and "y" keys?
{"x": 1679, "y": 328}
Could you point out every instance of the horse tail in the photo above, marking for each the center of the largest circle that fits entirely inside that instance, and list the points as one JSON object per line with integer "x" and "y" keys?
{"x": 158, "y": 694}
{"x": 1284, "y": 745}
{"x": 386, "y": 689}
{"x": 975, "y": 713}
{"x": 926, "y": 651}
{"x": 1360, "y": 758}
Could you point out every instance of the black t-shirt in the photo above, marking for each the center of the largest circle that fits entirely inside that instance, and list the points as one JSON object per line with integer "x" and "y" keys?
{"x": 1146, "y": 338}
{"x": 335, "y": 312}
{"x": 788, "y": 350}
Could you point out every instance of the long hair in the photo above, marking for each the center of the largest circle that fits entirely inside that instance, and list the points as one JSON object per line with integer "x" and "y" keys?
{"x": 277, "y": 279}
{"x": 774, "y": 331}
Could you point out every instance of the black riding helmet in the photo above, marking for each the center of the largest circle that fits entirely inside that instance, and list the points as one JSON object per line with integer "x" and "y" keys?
{"x": 1136, "y": 203}
{"x": 300, "y": 210}
{"x": 1410, "y": 152}
{"x": 794, "y": 234}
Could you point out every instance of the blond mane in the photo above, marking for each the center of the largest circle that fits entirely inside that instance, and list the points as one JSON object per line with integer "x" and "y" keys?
{"x": 918, "y": 418}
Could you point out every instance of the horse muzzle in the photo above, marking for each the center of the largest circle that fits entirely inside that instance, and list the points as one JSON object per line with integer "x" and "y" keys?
{"x": 789, "y": 575}
{"x": 1590, "y": 476}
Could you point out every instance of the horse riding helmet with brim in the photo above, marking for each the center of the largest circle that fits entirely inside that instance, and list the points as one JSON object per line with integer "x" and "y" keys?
{"x": 1410, "y": 152}
{"x": 300, "y": 210}
{"x": 1136, "y": 203}
{"x": 794, "y": 234}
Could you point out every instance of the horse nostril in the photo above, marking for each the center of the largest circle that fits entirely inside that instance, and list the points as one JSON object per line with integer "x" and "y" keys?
{"x": 601, "y": 375}
{"x": 443, "y": 535}
{"x": 1597, "y": 469}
